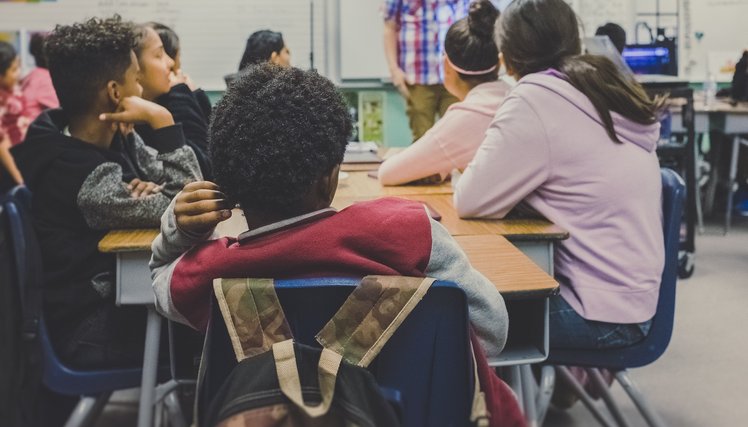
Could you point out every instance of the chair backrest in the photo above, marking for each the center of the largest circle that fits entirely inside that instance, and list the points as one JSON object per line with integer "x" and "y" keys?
{"x": 654, "y": 344}
{"x": 27, "y": 258}
{"x": 426, "y": 364}
{"x": 29, "y": 282}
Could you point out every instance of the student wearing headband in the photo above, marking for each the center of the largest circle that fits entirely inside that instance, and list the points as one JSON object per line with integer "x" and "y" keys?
{"x": 471, "y": 69}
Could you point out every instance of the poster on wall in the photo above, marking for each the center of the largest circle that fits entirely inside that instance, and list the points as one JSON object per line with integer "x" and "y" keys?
{"x": 12, "y": 37}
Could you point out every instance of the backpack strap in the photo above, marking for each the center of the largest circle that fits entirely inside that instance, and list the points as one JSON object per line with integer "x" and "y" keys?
{"x": 253, "y": 315}
{"x": 479, "y": 414}
{"x": 290, "y": 383}
{"x": 370, "y": 315}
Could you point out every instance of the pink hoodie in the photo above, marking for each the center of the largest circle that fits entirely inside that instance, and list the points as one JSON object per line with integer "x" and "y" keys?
{"x": 38, "y": 92}
{"x": 547, "y": 146}
{"x": 453, "y": 140}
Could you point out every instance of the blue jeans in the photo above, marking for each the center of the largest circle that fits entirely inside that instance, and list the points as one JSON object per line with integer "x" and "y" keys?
{"x": 569, "y": 330}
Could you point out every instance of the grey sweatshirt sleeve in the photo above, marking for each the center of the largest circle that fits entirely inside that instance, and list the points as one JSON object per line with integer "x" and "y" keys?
{"x": 486, "y": 307}
{"x": 167, "y": 161}
{"x": 105, "y": 202}
{"x": 167, "y": 250}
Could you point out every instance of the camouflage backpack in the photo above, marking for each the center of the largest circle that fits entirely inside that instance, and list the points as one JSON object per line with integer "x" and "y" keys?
{"x": 278, "y": 382}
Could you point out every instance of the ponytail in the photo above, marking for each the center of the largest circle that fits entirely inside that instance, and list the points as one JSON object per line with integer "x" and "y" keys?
{"x": 536, "y": 35}
{"x": 608, "y": 89}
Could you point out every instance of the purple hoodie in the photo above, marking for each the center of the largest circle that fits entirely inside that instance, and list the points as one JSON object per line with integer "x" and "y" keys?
{"x": 547, "y": 146}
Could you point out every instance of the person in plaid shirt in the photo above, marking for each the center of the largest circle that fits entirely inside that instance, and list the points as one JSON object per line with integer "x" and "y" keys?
{"x": 414, "y": 43}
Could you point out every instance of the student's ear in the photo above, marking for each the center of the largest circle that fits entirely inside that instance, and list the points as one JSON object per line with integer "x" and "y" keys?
{"x": 274, "y": 58}
{"x": 114, "y": 93}
{"x": 328, "y": 184}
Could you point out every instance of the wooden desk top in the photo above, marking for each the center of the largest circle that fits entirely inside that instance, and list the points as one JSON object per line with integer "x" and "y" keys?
{"x": 511, "y": 271}
{"x": 385, "y": 153}
{"x": 135, "y": 240}
{"x": 359, "y": 184}
{"x": 512, "y": 229}
{"x": 720, "y": 105}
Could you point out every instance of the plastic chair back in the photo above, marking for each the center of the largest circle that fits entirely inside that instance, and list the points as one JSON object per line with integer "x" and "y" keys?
{"x": 29, "y": 280}
{"x": 655, "y": 343}
{"x": 426, "y": 365}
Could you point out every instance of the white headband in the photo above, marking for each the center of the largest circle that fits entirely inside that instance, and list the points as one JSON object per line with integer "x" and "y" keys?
{"x": 466, "y": 72}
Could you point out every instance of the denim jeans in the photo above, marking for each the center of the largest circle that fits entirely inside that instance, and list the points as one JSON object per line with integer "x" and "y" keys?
{"x": 569, "y": 330}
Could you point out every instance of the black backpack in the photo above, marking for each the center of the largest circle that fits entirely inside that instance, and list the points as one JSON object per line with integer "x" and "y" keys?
{"x": 281, "y": 383}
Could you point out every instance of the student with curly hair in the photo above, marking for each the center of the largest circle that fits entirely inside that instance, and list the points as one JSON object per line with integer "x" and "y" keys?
{"x": 279, "y": 135}
{"x": 89, "y": 172}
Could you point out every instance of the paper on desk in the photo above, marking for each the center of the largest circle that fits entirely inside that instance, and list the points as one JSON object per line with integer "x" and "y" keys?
{"x": 362, "y": 147}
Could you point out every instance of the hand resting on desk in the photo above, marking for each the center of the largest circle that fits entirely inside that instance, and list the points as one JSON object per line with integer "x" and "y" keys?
{"x": 200, "y": 206}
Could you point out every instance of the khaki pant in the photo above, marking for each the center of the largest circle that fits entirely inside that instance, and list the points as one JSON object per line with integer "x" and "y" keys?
{"x": 425, "y": 102}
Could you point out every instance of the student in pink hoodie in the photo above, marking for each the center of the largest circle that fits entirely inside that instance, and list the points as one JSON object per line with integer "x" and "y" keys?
{"x": 575, "y": 140}
{"x": 471, "y": 67}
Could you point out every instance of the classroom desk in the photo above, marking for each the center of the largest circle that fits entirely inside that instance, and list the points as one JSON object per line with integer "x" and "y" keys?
{"x": 534, "y": 237}
{"x": 524, "y": 285}
{"x": 359, "y": 184}
{"x": 521, "y": 270}
{"x": 721, "y": 116}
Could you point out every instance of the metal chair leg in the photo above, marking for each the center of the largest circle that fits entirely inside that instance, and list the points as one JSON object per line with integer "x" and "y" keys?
{"x": 87, "y": 410}
{"x": 545, "y": 391}
{"x": 602, "y": 387}
{"x": 174, "y": 410}
{"x": 565, "y": 375}
{"x": 731, "y": 181}
{"x": 529, "y": 393}
{"x": 649, "y": 414}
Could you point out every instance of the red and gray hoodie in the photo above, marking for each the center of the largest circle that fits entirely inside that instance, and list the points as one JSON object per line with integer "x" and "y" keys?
{"x": 386, "y": 236}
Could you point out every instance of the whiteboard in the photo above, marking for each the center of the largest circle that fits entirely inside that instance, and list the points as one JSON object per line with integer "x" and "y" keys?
{"x": 361, "y": 42}
{"x": 213, "y": 33}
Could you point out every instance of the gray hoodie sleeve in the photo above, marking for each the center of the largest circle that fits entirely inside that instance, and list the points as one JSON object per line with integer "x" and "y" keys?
{"x": 105, "y": 202}
{"x": 486, "y": 307}
{"x": 167, "y": 249}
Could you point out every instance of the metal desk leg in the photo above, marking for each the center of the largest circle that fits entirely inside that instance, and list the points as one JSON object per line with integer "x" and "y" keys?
{"x": 529, "y": 395}
{"x": 731, "y": 183}
{"x": 150, "y": 368}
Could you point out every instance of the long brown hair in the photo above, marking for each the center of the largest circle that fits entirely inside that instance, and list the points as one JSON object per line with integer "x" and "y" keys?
{"x": 536, "y": 35}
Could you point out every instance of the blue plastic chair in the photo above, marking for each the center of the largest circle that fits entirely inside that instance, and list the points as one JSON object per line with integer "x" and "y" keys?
{"x": 94, "y": 387}
{"x": 426, "y": 367}
{"x": 650, "y": 348}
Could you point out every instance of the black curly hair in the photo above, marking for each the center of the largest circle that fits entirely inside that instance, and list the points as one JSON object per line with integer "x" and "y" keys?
{"x": 84, "y": 56}
{"x": 275, "y": 133}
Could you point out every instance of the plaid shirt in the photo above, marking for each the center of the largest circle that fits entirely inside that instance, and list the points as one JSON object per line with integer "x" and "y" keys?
{"x": 422, "y": 25}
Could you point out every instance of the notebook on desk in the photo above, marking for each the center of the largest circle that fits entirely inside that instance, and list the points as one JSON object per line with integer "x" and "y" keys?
{"x": 361, "y": 157}
{"x": 361, "y": 152}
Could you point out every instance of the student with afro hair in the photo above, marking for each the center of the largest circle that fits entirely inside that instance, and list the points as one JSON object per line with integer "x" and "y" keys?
{"x": 277, "y": 140}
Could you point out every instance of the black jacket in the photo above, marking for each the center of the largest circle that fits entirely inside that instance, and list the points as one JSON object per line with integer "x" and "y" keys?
{"x": 192, "y": 110}
{"x": 79, "y": 193}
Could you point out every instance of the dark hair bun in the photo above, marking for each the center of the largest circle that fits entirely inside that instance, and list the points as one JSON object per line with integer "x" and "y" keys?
{"x": 482, "y": 17}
